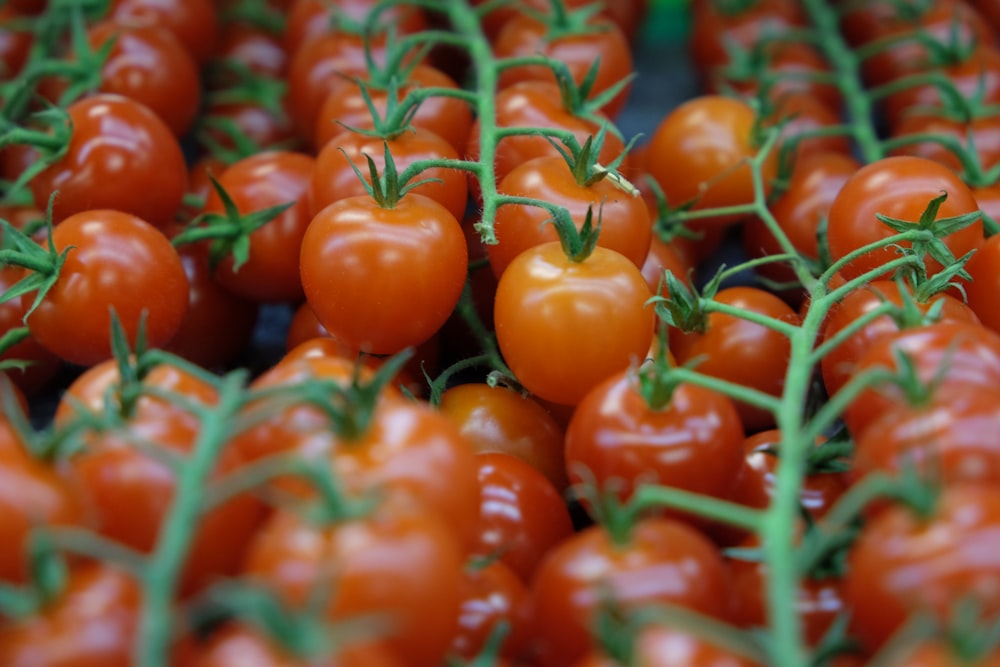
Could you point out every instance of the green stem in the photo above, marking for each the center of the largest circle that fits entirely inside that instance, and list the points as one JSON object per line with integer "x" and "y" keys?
{"x": 852, "y": 328}
{"x": 781, "y": 326}
{"x": 651, "y": 497}
{"x": 734, "y": 390}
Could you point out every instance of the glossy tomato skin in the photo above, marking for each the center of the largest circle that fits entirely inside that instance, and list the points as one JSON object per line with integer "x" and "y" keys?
{"x": 800, "y": 116}
{"x": 838, "y": 365}
{"x": 664, "y": 646}
{"x": 694, "y": 442}
{"x": 735, "y": 349}
{"x": 978, "y": 137}
{"x": 564, "y": 326}
{"x": 521, "y": 515}
{"x": 625, "y": 224}
{"x": 261, "y": 181}
{"x": 984, "y": 267}
{"x": 195, "y": 23}
{"x": 662, "y": 561}
{"x": 94, "y": 622}
{"x": 335, "y": 179}
{"x": 497, "y": 419}
{"x": 603, "y": 43}
{"x": 400, "y": 562}
{"x": 950, "y": 353}
{"x": 245, "y": 645}
{"x": 903, "y": 563}
{"x": 121, "y": 156}
{"x": 491, "y": 594}
{"x": 118, "y": 262}
{"x": 308, "y": 19}
{"x": 698, "y": 142}
{"x": 713, "y": 28}
{"x": 952, "y": 437}
{"x": 915, "y": 181}
{"x": 383, "y": 279}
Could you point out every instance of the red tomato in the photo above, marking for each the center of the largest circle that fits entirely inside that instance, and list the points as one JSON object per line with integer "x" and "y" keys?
{"x": 491, "y": 594}
{"x": 660, "y": 562}
{"x": 903, "y": 563}
{"x": 399, "y": 563}
{"x": 693, "y": 442}
{"x": 121, "y": 156}
{"x": 953, "y": 436}
{"x": 521, "y": 515}
{"x": 382, "y": 279}
{"x": 735, "y": 349}
{"x": 272, "y": 178}
{"x": 14, "y": 43}
{"x": 245, "y": 645}
{"x": 713, "y": 28}
{"x": 915, "y": 182}
{"x": 599, "y": 41}
{"x": 565, "y": 326}
{"x": 625, "y": 223}
{"x": 663, "y": 257}
{"x": 246, "y": 127}
{"x": 195, "y": 23}
{"x": 984, "y": 267}
{"x": 978, "y": 138}
{"x": 497, "y": 419}
{"x": 94, "y": 622}
{"x": 665, "y": 646}
{"x": 839, "y": 363}
{"x": 806, "y": 124}
{"x": 308, "y": 19}
{"x": 259, "y": 50}
{"x": 118, "y": 262}
{"x": 699, "y": 153}
{"x": 334, "y": 179}
{"x": 344, "y": 106}
{"x": 949, "y": 353}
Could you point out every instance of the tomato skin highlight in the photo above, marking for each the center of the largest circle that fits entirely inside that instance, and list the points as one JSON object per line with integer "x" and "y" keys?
{"x": 380, "y": 280}
{"x": 565, "y": 326}
{"x": 119, "y": 262}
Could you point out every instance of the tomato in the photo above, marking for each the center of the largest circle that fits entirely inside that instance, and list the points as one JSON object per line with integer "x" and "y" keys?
{"x": 599, "y": 41}
{"x": 663, "y": 257}
{"x": 537, "y": 104}
{"x": 806, "y": 126}
{"x": 976, "y": 76}
{"x": 839, "y": 363}
{"x": 94, "y": 622}
{"x": 271, "y": 178}
{"x": 949, "y": 353}
{"x": 915, "y": 182}
{"x": 255, "y": 48}
{"x": 149, "y": 65}
{"x": 903, "y": 563}
{"x": 382, "y": 279}
{"x": 521, "y": 515}
{"x": 31, "y": 495}
{"x": 308, "y": 19}
{"x": 121, "y": 156}
{"x": 14, "y": 44}
{"x": 117, "y": 262}
{"x": 625, "y": 224}
{"x": 951, "y": 437}
{"x": 693, "y": 442}
{"x": 714, "y": 28}
{"x": 247, "y": 127}
{"x": 491, "y": 594}
{"x": 399, "y": 563}
{"x": 984, "y": 267}
{"x": 245, "y": 645}
{"x": 660, "y": 645}
{"x": 497, "y": 419}
{"x": 565, "y": 326}
{"x": 735, "y": 349}
{"x": 130, "y": 491}
{"x": 344, "y": 106}
{"x": 978, "y": 138}
{"x": 815, "y": 181}
{"x": 195, "y": 23}
{"x": 819, "y": 600}
{"x": 698, "y": 154}
{"x": 219, "y": 324}
{"x": 335, "y": 179}
{"x": 660, "y": 562}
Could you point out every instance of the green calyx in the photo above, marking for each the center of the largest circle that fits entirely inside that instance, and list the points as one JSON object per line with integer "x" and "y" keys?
{"x": 583, "y": 161}
{"x": 44, "y": 264}
{"x": 388, "y": 187}
{"x": 560, "y": 21}
{"x": 578, "y": 244}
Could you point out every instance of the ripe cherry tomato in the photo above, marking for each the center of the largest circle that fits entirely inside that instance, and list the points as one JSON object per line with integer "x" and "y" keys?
{"x": 382, "y": 279}
{"x": 699, "y": 153}
{"x": 806, "y": 127}
{"x": 259, "y": 50}
{"x": 245, "y": 645}
{"x": 121, "y": 156}
{"x": 714, "y": 28}
{"x": 308, "y": 19}
{"x": 195, "y": 23}
{"x": 660, "y": 645}
{"x": 400, "y": 562}
{"x": 117, "y": 262}
{"x": 978, "y": 138}
{"x": 903, "y": 563}
{"x": 741, "y": 351}
{"x": 491, "y": 594}
{"x": 496, "y": 419}
{"x": 271, "y": 178}
{"x": 565, "y": 326}
{"x": 625, "y": 224}
{"x": 661, "y": 561}
{"x": 521, "y": 515}
{"x": 984, "y": 267}
{"x": 915, "y": 182}
{"x": 693, "y": 442}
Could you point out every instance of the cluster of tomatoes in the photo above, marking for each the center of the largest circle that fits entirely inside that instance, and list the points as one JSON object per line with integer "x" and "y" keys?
{"x": 510, "y": 426}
